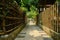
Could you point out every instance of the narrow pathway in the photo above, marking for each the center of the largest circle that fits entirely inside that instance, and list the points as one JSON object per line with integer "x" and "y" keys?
{"x": 32, "y": 32}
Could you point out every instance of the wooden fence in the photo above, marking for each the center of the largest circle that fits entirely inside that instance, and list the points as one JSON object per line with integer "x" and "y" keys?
{"x": 50, "y": 21}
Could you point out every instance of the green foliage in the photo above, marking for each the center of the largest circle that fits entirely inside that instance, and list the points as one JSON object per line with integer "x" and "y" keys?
{"x": 18, "y": 1}
{"x": 27, "y": 3}
{"x": 30, "y": 6}
{"x": 33, "y": 12}
{"x": 24, "y": 9}
{"x": 58, "y": 0}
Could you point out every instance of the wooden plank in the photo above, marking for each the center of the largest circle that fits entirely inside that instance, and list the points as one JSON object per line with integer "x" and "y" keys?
{"x": 12, "y": 24}
{"x": 2, "y": 16}
{"x": 12, "y": 9}
{"x": 3, "y": 24}
{"x": 12, "y": 29}
{"x": 13, "y": 17}
{"x": 10, "y": 17}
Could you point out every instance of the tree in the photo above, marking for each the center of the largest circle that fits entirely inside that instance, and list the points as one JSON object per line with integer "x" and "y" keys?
{"x": 27, "y": 3}
{"x": 19, "y": 2}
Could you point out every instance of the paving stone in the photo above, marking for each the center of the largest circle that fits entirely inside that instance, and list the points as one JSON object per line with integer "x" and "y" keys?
{"x": 33, "y": 32}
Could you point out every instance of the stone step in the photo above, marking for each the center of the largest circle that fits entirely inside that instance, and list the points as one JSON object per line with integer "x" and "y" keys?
{"x": 21, "y": 35}
{"x": 46, "y": 38}
{"x": 19, "y": 39}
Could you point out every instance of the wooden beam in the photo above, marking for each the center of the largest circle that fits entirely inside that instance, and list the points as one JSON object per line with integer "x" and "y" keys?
{"x": 13, "y": 17}
{"x": 3, "y": 24}
{"x": 10, "y": 17}
{"x": 12, "y": 23}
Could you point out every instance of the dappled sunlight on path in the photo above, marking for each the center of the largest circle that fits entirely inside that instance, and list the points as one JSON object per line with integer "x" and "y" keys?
{"x": 32, "y": 32}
